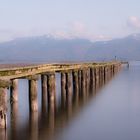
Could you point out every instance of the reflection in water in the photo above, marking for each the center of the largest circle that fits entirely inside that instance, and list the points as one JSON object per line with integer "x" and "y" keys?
{"x": 53, "y": 119}
{"x": 14, "y": 120}
{"x": 3, "y": 134}
{"x": 33, "y": 126}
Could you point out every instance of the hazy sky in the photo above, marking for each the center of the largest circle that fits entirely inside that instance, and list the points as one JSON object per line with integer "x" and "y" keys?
{"x": 92, "y": 19}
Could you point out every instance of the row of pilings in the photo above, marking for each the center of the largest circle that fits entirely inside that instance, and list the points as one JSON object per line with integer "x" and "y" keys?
{"x": 75, "y": 81}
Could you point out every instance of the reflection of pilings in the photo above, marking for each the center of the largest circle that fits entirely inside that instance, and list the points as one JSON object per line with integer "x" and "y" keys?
{"x": 14, "y": 120}
{"x": 51, "y": 117}
{"x": 44, "y": 91}
{"x": 63, "y": 88}
{"x": 33, "y": 102}
{"x": 51, "y": 88}
{"x": 14, "y": 90}
{"x": 33, "y": 124}
{"x": 3, "y": 134}
{"x": 3, "y": 107}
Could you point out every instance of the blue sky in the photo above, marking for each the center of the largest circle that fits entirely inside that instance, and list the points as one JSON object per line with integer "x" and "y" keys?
{"x": 91, "y": 19}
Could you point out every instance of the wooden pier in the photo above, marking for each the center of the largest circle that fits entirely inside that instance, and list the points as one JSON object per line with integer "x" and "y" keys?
{"x": 76, "y": 79}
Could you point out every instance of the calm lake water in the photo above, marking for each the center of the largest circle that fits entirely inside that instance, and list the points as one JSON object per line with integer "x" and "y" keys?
{"x": 112, "y": 112}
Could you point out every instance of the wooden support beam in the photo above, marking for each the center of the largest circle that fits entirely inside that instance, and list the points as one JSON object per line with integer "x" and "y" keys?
{"x": 3, "y": 107}
{"x": 14, "y": 90}
{"x": 44, "y": 91}
{"x": 68, "y": 83}
{"x": 92, "y": 79}
{"x": 87, "y": 80}
{"x": 83, "y": 82}
{"x": 33, "y": 102}
{"x": 79, "y": 80}
{"x": 51, "y": 88}
{"x": 63, "y": 88}
{"x": 75, "y": 83}
{"x": 96, "y": 73}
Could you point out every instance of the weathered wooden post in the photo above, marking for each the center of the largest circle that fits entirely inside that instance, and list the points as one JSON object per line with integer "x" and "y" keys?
{"x": 14, "y": 90}
{"x": 69, "y": 87}
{"x": 83, "y": 83}
{"x": 51, "y": 100}
{"x": 33, "y": 102}
{"x": 75, "y": 83}
{"x": 87, "y": 80}
{"x": 44, "y": 91}
{"x": 69, "y": 83}
{"x": 92, "y": 77}
{"x": 96, "y": 72}
{"x": 63, "y": 88}
{"x": 51, "y": 88}
{"x": 113, "y": 69}
{"x": 79, "y": 79}
{"x": 3, "y": 107}
{"x": 100, "y": 78}
{"x": 4, "y": 84}
{"x": 109, "y": 72}
{"x": 106, "y": 73}
{"x": 103, "y": 75}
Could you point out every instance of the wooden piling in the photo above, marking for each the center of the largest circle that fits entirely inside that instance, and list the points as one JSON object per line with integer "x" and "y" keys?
{"x": 14, "y": 90}
{"x": 51, "y": 88}
{"x": 92, "y": 81}
{"x": 33, "y": 102}
{"x": 44, "y": 91}
{"x": 79, "y": 80}
{"x": 3, "y": 107}
{"x": 63, "y": 89}
{"x": 75, "y": 83}
{"x": 87, "y": 81}
{"x": 83, "y": 83}
{"x": 96, "y": 73}
{"x": 68, "y": 83}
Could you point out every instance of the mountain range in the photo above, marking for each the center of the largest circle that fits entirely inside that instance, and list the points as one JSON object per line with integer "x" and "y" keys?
{"x": 49, "y": 49}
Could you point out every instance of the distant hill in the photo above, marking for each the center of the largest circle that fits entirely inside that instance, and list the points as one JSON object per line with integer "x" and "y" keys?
{"x": 127, "y": 48}
{"x": 48, "y": 49}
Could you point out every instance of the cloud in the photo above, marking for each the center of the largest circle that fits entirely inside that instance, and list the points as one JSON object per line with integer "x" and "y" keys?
{"x": 77, "y": 30}
{"x": 71, "y": 30}
{"x": 133, "y": 22}
{"x": 78, "y": 27}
